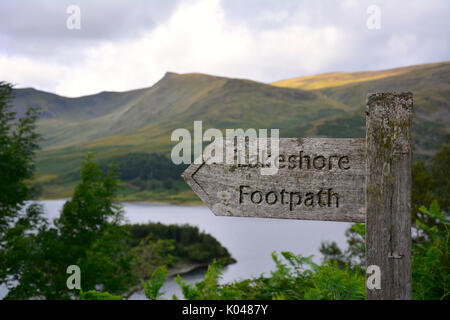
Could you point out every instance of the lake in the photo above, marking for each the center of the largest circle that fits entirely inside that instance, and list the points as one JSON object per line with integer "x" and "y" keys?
{"x": 249, "y": 240}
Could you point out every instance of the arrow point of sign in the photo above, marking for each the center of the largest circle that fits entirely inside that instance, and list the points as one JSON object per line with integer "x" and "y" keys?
{"x": 188, "y": 176}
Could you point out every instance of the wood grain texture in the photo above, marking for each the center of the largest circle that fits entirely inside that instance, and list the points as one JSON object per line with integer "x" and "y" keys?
{"x": 388, "y": 192}
{"x": 327, "y": 190}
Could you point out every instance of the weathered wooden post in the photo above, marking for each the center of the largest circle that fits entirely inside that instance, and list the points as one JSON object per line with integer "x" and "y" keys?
{"x": 388, "y": 195}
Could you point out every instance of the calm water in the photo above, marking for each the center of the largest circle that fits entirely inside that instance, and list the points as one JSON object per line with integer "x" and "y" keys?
{"x": 249, "y": 240}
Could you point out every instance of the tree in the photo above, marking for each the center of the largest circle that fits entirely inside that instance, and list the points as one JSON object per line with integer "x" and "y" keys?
{"x": 430, "y": 263}
{"x": 431, "y": 182}
{"x": 439, "y": 169}
{"x": 18, "y": 143}
{"x": 91, "y": 210}
{"x": 89, "y": 233}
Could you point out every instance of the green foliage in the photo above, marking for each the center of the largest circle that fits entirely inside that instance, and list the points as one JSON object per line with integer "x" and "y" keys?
{"x": 430, "y": 253}
{"x": 95, "y": 295}
{"x": 356, "y": 251}
{"x": 153, "y": 253}
{"x": 18, "y": 143}
{"x": 354, "y": 255}
{"x": 344, "y": 126}
{"x": 360, "y": 229}
{"x": 88, "y": 234}
{"x": 146, "y": 170}
{"x": 109, "y": 262}
{"x": 89, "y": 228}
{"x": 423, "y": 185}
{"x": 208, "y": 289}
{"x": 297, "y": 279}
{"x": 439, "y": 169}
{"x": 431, "y": 181}
{"x": 334, "y": 283}
{"x": 88, "y": 212}
{"x": 21, "y": 256}
{"x": 431, "y": 266}
{"x": 189, "y": 243}
{"x": 153, "y": 286}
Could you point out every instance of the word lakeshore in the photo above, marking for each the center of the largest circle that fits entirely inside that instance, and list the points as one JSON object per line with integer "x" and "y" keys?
{"x": 301, "y": 161}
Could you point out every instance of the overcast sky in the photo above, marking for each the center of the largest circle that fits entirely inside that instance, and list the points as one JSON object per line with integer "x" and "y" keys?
{"x": 129, "y": 44}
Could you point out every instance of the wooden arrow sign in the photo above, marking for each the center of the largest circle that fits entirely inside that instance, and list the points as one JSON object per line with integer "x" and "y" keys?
{"x": 317, "y": 179}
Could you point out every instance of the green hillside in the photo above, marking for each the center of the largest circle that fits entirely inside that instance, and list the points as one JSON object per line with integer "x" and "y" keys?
{"x": 175, "y": 101}
{"x": 120, "y": 123}
{"x": 430, "y": 84}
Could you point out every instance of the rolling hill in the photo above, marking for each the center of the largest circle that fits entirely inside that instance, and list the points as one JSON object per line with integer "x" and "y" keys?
{"x": 430, "y": 84}
{"x": 118, "y": 123}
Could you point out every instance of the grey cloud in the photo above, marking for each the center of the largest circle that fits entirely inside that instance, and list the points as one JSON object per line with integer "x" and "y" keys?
{"x": 39, "y": 27}
{"x": 412, "y": 32}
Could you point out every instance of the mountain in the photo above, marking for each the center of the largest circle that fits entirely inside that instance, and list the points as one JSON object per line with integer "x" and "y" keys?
{"x": 430, "y": 84}
{"x": 117, "y": 123}
{"x": 174, "y": 102}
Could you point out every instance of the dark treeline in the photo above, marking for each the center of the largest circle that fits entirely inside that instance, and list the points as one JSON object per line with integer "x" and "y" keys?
{"x": 146, "y": 170}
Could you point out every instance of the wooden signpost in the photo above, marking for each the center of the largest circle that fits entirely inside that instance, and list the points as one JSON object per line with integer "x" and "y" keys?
{"x": 355, "y": 180}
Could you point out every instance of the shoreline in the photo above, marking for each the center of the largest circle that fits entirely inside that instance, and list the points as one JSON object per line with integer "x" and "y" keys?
{"x": 190, "y": 267}
{"x": 160, "y": 204}
{"x": 179, "y": 269}
{"x": 142, "y": 202}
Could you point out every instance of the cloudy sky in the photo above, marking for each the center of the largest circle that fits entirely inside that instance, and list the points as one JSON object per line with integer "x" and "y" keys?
{"x": 129, "y": 44}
